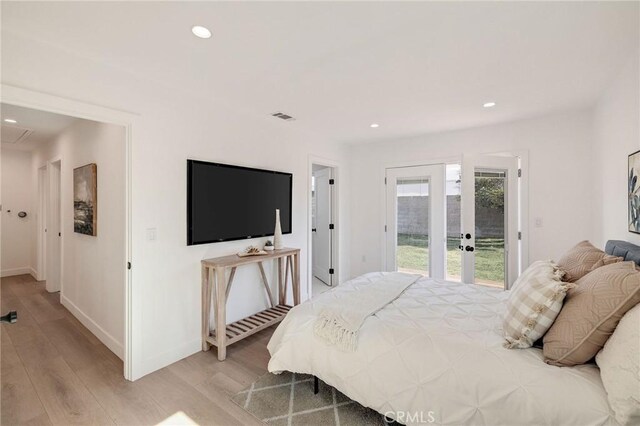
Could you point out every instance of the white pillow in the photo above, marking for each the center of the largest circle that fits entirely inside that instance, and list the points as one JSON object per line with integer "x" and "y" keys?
{"x": 534, "y": 303}
{"x": 619, "y": 362}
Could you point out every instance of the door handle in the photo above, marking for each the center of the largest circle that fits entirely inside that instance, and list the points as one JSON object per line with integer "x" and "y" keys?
{"x": 469, "y": 248}
{"x": 314, "y": 230}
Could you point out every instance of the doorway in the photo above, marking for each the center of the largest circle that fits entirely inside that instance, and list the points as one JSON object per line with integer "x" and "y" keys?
{"x": 41, "y": 250}
{"x": 53, "y": 227}
{"x": 459, "y": 221}
{"x": 56, "y": 177}
{"x": 323, "y": 228}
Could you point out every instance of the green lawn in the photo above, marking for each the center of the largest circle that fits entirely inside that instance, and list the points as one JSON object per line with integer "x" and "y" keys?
{"x": 413, "y": 253}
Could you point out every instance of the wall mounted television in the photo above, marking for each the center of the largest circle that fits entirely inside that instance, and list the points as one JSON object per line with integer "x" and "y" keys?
{"x": 226, "y": 202}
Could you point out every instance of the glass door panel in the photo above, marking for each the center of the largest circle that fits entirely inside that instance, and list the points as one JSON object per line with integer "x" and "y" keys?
{"x": 412, "y": 219}
{"x": 490, "y": 187}
{"x": 415, "y": 220}
{"x": 454, "y": 255}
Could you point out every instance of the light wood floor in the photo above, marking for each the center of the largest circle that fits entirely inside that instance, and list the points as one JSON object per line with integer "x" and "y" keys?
{"x": 54, "y": 371}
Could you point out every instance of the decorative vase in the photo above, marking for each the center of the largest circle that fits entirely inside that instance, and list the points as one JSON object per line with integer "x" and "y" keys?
{"x": 277, "y": 234}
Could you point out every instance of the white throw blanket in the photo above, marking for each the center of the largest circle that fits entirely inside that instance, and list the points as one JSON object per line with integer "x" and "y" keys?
{"x": 338, "y": 323}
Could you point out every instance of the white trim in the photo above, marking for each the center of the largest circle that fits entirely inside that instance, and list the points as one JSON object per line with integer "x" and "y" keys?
{"x": 109, "y": 341}
{"x": 335, "y": 213}
{"x": 133, "y": 361}
{"x": 25, "y": 270}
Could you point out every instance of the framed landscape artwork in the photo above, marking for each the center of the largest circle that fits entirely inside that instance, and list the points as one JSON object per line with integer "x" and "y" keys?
{"x": 85, "y": 200}
{"x": 634, "y": 193}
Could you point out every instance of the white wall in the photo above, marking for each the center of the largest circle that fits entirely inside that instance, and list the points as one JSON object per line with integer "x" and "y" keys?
{"x": 617, "y": 134}
{"x": 17, "y": 233}
{"x": 559, "y": 151}
{"x": 92, "y": 276}
{"x": 169, "y": 129}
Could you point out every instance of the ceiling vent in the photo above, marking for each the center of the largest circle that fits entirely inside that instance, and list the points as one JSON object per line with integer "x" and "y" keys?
{"x": 14, "y": 135}
{"x": 283, "y": 116}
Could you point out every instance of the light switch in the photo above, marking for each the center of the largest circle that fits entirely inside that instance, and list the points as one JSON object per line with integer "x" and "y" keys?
{"x": 151, "y": 234}
{"x": 538, "y": 222}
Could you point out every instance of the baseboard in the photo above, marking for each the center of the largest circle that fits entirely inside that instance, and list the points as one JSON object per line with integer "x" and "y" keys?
{"x": 34, "y": 273}
{"x": 166, "y": 358}
{"x": 16, "y": 271}
{"x": 98, "y": 331}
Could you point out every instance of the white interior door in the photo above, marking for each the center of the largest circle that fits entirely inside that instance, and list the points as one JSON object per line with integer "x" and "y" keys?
{"x": 42, "y": 224}
{"x": 416, "y": 220}
{"x": 489, "y": 232}
{"x": 54, "y": 231}
{"x": 321, "y": 234}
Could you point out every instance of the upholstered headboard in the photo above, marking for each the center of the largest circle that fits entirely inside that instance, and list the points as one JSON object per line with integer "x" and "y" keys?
{"x": 623, "y": 249}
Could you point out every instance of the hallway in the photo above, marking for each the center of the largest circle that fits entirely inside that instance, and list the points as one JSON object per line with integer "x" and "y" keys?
{"x": 54, "y": 371}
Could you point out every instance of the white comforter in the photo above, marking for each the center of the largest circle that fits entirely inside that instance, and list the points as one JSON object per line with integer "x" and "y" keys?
{"x": 435, "y": 354}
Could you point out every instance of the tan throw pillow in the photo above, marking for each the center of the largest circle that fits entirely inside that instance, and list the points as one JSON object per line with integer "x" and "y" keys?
{"x": 582, "y": 259}
{"x": 534, "y": 303}
{"x": 590, "y": 313}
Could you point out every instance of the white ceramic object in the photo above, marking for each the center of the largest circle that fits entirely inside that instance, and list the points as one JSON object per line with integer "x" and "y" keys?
{"x": 277, "y": 234}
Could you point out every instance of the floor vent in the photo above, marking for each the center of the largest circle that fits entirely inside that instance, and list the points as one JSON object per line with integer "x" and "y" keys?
{"x": 283, "y": 116}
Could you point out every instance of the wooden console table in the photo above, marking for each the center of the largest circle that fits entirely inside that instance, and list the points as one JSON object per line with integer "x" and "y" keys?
{"x": 215, "y": 286}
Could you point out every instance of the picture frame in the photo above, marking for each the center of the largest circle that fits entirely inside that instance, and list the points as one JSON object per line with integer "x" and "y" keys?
{"x": 633, "y": 193}
{"x": 85, "y": 200}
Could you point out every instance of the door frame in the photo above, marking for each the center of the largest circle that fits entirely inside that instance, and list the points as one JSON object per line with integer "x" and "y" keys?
{"x": 315, "y": 273}
{"x": 12, "y": 95}
{"x": 335, "y": 214}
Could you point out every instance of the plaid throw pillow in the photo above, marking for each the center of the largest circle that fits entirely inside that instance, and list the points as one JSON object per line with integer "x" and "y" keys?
{"x": 534, "y": 303}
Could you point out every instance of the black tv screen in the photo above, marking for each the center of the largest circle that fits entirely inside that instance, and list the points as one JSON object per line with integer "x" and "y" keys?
{"x": 226, "y": 202}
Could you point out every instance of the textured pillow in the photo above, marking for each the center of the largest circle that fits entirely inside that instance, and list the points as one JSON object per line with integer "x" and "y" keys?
{"x": 590, "y": 313}
{"x": 534, "y": 303}
{"x": 582, "y": 259}
{"x": 619, "y": 363}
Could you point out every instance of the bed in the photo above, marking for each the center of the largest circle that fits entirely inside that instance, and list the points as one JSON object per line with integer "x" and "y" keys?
{"x": 435, "y": 355}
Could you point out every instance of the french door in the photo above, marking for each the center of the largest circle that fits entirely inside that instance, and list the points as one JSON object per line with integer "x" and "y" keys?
{"x": 489, "y": 237}
{"x": 415, "y": 220}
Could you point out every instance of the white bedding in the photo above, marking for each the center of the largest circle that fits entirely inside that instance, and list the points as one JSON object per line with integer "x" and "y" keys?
{"x": 436, "y": 353}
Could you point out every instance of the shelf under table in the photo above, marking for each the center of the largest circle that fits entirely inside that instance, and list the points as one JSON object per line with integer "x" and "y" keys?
{"x": 252, "y": 324}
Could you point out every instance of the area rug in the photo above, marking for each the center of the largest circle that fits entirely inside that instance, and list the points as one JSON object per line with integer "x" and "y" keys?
{"x": 288, "y": 399}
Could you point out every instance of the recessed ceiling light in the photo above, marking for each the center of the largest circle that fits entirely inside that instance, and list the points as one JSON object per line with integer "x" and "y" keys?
{"x": 10, "y": 120}
{"x": 489, "y": 105}
{"x": 201, "y": 32}
{"x": 374, "y": 125}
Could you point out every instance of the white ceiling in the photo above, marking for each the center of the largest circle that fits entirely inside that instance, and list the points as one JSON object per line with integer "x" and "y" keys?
{"x": 337, "y": 67}
{"x": 42, "y": 125}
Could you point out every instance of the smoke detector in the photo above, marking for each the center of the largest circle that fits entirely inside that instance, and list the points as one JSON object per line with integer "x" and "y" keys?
{"x": 283, "y": 116}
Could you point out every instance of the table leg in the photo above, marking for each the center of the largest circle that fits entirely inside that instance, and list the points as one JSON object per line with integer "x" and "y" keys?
{"x": 221, "y": 315}
{"x": 281, "y": 293}
{"x": 296, "y": 279}
{"x": 206, "y": 307}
